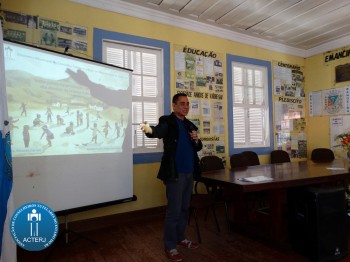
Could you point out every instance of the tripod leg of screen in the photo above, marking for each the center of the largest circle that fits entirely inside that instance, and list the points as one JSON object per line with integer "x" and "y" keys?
{"x": 65, "y": 233}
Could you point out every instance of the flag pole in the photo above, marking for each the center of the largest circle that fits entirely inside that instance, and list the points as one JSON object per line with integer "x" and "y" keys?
{"x": 7, "y": 245}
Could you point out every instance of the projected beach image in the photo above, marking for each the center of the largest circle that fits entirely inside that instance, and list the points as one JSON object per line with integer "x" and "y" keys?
{"x": 59, "y": 106}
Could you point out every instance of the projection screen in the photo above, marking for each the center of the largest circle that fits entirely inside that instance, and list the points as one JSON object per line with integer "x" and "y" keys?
{"x": 70, "y": 122}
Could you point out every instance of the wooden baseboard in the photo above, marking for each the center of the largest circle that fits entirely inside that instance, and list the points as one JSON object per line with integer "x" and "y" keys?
{"x": 111, "y": 220}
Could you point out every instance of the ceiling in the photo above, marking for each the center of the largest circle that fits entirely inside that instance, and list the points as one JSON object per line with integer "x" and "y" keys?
{"x": 297, "y": 24}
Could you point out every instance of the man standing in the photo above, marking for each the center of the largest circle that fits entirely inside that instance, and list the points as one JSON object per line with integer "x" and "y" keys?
{"x": 179, "y": 166}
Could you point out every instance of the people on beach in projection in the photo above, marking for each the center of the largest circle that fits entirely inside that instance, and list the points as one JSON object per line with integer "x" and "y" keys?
{"x": 106, "y": 128}
{"x": 78, "y": 114}
{"x": 26, "y": 135}
{"x": 24, "y": 109}
{"x": 48, "y": 115}
{"x": 98, "y": 116}
{"x": 95, "y": 130}
{"x": 11, "y": 122}
{"x": 87, "y": 119}
{"x": 117, "y": 129}
{"x": 60, "y": 120}
{"x": 49, "y": 135}
{"x": 67, "y": 110}
{"x": 81, "y": 118}
{"x": 108, "y": 96}
{"x": 37, "y": 121}
{"x": 70, "y": 129}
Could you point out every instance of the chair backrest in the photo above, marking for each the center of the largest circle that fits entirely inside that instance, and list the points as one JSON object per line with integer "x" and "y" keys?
{"x": 279, "y": 156}
{"x": 238, "y": 160}
{"x": 209, "y": 163}
{"x": 251, "y": 158}
{"x": 322, "y": 155}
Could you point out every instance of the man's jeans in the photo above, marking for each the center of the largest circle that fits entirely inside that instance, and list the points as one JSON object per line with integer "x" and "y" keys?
{"x": 176, "y": 217}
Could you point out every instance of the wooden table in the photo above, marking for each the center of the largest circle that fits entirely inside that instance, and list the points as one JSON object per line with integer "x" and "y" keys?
{"x": 285, "y": 176}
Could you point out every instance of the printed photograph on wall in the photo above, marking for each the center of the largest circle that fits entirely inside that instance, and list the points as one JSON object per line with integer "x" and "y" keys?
{"x": 51, "y": 34}
{"x": 342, "y": 73}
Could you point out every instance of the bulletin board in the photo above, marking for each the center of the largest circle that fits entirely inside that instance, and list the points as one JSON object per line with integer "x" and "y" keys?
{"x": 289, "y": 109}
{"x": 47, "y": 33}
{"x": 199, "y": 74}
{"x": 334, "y": 100}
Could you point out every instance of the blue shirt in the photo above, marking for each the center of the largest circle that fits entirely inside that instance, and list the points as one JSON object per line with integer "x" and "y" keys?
{"x": 184, "y": 151}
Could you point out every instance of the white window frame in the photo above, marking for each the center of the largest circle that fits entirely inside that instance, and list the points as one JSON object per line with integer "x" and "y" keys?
{"x": 244, "y": 136}
{"x": 140, "y": 143}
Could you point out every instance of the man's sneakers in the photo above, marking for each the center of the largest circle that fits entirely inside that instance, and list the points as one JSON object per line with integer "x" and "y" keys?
{"x": 173, "y": 255}
{"x": 188, "y": 244}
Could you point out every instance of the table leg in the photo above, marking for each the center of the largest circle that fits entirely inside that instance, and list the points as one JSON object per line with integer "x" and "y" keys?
{"x": 240, "y": 212}
{"x": 277, "y": 200}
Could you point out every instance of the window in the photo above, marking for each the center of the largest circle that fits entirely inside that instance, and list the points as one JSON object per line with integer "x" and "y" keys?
{"x": 147, "y": 87}
{"x": 142, "y": 154}
{"x": 250, "y": 100}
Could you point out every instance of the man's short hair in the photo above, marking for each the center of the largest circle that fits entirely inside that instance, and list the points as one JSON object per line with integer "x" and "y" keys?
{"x": 176, "y": 97}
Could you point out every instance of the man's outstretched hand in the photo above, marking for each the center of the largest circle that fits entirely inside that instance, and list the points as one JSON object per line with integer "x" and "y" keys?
{"x": 146, "y": 128}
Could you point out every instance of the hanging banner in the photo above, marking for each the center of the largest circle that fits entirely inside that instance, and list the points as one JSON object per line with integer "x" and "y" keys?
{"x": 336, "y": 55}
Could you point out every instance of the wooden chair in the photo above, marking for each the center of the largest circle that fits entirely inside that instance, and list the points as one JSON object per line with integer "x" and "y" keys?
{"x": 201, "y": 201}
{"x": 279, "y": 156}
{"x": 251, "y": 157}
{"x": 219, "y": 195}
{"x": 209, "y": 163}
{"x": 206, "y": 200}
{"x": 237, "y": 161}
{"x": 322, "y": 155}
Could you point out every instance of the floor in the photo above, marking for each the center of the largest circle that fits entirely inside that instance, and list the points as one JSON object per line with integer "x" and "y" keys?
{"x": 140, "y": 239}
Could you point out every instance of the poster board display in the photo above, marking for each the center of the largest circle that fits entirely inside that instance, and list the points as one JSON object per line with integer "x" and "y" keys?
{"x": 199, "y": 74}
{"x": 289, "y": 109}
{"x": 45, "y": 32}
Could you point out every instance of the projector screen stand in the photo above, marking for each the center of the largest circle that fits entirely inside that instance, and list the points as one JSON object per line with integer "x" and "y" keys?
{"x": 65, "y": 233}
{"x": 68, "y": 231}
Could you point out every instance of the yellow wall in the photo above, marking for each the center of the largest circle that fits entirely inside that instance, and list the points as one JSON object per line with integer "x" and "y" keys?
{"x": 320, "y": 76}
{"x": 147, "y": 188}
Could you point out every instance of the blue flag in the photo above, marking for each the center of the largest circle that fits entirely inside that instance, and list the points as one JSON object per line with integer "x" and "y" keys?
{"x": 6, "y": 179}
